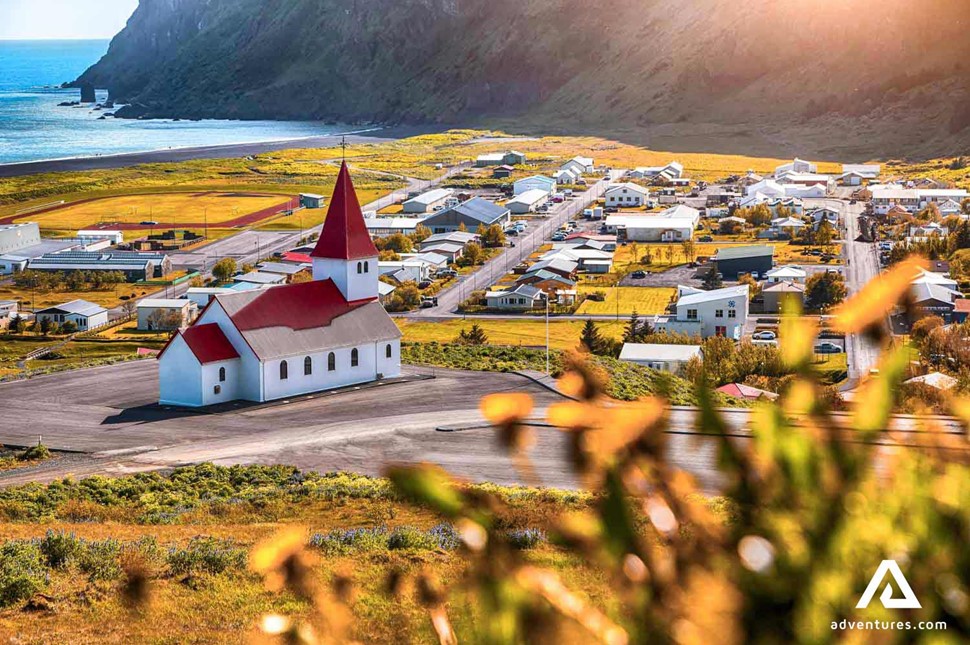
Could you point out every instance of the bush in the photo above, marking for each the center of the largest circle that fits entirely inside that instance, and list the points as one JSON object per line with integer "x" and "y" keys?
{"x": 59, "y": 548}
{"x": 526, "y": 538}
{"x": 22, "y": 572}
{"x": 206, "y": 555}
{"x": 409, "y": 538}
{"x": 99, "y": 560}
{"x": 344, "y": 541}
{"x": 40, "y": 452}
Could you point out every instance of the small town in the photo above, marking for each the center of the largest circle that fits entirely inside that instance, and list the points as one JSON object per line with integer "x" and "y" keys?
{"x": 332, "y": 322}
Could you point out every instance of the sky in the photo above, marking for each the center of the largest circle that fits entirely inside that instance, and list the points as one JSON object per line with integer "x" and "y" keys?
{"x": 63, "y": 19}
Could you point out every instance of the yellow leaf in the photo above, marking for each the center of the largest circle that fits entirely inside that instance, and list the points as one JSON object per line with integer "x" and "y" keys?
{"x": 504, "y": 408}
{"x": 877, "y": 298}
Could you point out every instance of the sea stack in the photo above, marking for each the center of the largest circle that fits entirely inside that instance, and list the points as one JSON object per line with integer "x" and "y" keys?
{"x": 87, "y": 93}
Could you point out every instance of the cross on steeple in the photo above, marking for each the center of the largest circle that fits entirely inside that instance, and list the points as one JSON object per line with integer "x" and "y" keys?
{"x": 343, "y": 146}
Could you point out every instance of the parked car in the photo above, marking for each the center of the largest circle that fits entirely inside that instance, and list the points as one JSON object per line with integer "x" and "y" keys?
{"x": 148, "y": 222}
{"x": 424, "y": 284}
{"x": 638, "y": 275}
{"x": 514, "y": 232}
{"x": 427, "y": 304}
{"x": 764, "y": 335}
{"x": 705, "y": 238}
{"x": 827, "y": 348}
{"x": 446, "y": 273}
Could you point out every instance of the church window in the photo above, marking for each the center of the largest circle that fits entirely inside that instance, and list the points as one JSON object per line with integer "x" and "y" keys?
{"x": 354, "y": 357}
{"x": 387, "y": 351}
{"x": 331, "y": 362}
{"x": 284, "y": 371}
{"x": 366, "y": 267}
{"x": 307, "y": 366}
{"x": 222, "y": 374}
{"x": 360, "y": 267}
{"x": 217, "y": 389}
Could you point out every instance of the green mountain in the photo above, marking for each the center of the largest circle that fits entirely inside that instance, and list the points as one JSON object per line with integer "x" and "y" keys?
{"x": 859, "y": 77}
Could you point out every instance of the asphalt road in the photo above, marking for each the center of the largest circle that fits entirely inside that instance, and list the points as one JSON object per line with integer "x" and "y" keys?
{"x": 108, "y": 415}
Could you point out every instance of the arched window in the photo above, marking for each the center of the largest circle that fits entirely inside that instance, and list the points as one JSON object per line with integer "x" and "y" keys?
{"x": 284, "y": 371}
{"x": 366, "y": 267}
{"x": 354, "y": 357}
{"x": 222, "y": 374}
{"x": 387, "y": 351}
{"x": 360, "y": 268}
{"x": 331, "y": 362}
{"x": 307, "y": 366}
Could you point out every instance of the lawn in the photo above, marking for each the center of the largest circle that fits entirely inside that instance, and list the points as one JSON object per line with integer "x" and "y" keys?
{"x": 665, "y": 256}
{"x": 39, "y": 299}
{"x": 643, "y": 300}
{"x": 563, "y": 334}
{"x": 168, "y": 209}
{"x": 82, "y": 352}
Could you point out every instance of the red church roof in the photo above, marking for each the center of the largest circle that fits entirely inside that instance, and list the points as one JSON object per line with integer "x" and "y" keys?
{"x": 344, "y": 235}
{"x": 208, "y": 343}
{"x": 303, "y": 305}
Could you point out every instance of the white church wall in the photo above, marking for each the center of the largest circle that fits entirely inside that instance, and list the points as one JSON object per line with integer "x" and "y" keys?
{"x": 249, "y": 385}
{"x": 389, "y": 367}
{"x": 354, "y": 286}
{"x": 228, "y": 389}
{"x": 179, "y": 376}
{"x": 298, "y": 383}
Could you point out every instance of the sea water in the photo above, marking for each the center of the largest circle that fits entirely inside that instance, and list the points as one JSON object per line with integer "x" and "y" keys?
{"x": 34, "y": 127}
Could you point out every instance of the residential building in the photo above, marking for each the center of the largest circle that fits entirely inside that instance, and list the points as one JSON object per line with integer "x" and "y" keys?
{"x": 456, "y": 237}
{"x": 9, "y": 309}
{"x": 558, "y": 265}
{"x": 510, "y": 158}
{"x": 566, "y": 176}
{"x": 626, "y": 195}
{"x": 165, "y": 314}
{"x": 775, "y": 294}
{"x": 450, "y": 250}
{"x": 865, "y": 171}
{"x": 527, "y": 202}
{"x": 675, "y": 224}
{"x": 86, "y": 315}
{"x": 311, "y": 200}
{"x": 798, "y": 165}
{"x": 885, "y": 197}
{"x": 402, "y": 271}
{"x": 202, "y": 295}
{"x": 934, "y": 299}
{"x": 666, "y": 358}
{"x": 14, "y": 237}
{"x": 673, "y": 170}
{"x": 286, "y": 269}
{"x": 806, "y": 179}
{"x": 268, "y": 344}
{"x": 469, "y": 215}
{"x": 523, "y": 297}
{"x": 579, "y": 166}
{"x": 830, "y": 215}
{"x": 385, "y": 226}
{"x": 533, "y": 183}
{"x": 721, "y": 312}
{"x": 502, "y": 172}
{"x": 588, "y": 260}
{"x": 427, "y": 202}
{"x": 786, "y": 273}
{"x": 732, "y": 261}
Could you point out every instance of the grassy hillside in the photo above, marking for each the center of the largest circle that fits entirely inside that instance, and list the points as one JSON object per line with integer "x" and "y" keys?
{"x": 857, "y": 76}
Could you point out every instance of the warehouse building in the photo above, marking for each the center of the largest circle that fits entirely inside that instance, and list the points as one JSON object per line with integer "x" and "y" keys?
{"x": 733, "y": 261}
{"x": 470, "y": 214}
{"x": 427, "y": 202}
{"x": 14, "y": 237}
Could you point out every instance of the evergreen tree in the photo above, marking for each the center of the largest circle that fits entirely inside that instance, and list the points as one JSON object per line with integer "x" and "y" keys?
{"x": 474, "y": 336}
{"x": 590, "y": 339}
{"x": 713, "y": 280}
{"x": 632, "y": 332}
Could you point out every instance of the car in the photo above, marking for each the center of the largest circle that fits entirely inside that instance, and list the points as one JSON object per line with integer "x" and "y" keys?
{"x": 148, "y": 222}
{"x": 424, "y": 284}
{"x": 827, "y": 348}
{"x": 705, "y": 238}
{"x": 764, "y": 335}
{"x": 446, "y": 273}
{"x": 638, "y": 275}
{"x": 514, "y": 232}
{"x": 427, "y": 304}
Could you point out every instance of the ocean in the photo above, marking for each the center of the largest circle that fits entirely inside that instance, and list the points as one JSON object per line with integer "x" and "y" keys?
{"x": 33, "y": 127}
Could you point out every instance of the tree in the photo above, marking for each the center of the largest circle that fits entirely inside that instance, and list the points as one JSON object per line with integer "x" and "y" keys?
{"x": 689, "y": 250}
{"x": 590, "y": 339}
{"x": 224, "y": 269}
{"x": 462, "y": 228}
{"x": 713, "y": 279}
{"x": 728, "y": 226}
{"x": 636, "y": 330}
{"x": 718, "y": 352}
{"x": 45, "y": 326}
{"x": 473, "y": 254}
{"x": 474, "y": 336}
{"x": 491, "y": 236}
{"x": 922, "y": 329}
{"x": 129, "y": 306}
{"x": 405, "y": 297}
{"x": 825, "y": 233}
{"x": 197, "y": 281}
{"x": 16, "y": 324}
{"x": 421, "y": 233}
{"x": 669, "y": 253}
{"x": 754, "y": 287}
{"x": 959, "y": 238}
{"x": 965, "y": 206}
{"x": 760, "y": 215}
{"x": 825, "y": 290}
{"x": 69, "y": 327}
{"x": 397, "y": 242}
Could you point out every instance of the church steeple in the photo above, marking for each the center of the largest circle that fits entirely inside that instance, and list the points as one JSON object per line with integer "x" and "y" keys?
{"x": 345, "y": 253}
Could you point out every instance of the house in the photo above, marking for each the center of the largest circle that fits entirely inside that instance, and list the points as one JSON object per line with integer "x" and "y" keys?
{"x": 311, "y": 200}
{"x": 165, "y": 314}
{"x": 536, "y": 182}
{"x": 666, "y": 358}
{"x": 588, "y": 260}
{"x": 936, "y": 380}
{"x": 579, "y": 166}
{"x": 558, "y": 265}
{"x": 774, "y": 204}
{"x": 806, "y": 191}
{"x": 865, "y": 171}
{"x": 456, "y": 237}
{"x": 885, "y": 197}
{"x": 527, "y": 202}
{"x": 798, "y": 165}
{"x": 746, "y": 392}
{"x": 787, "y": 273}
{"x": 721, "y": 312}
{"x": 15, "y": 237}
{"x": 468, "y": 215}
{"x": 12, "y": 264}
{"x": 522, "y": 298}
{"x": 566, "y": 176}
{"x": 672, "y": 225}
{"x": 427, "y": 202}
{"x": 789, "y": 225}
{"x": 775, "y": 294}
{"x": 285, "y": 269}
{"x": 434, "y": 261}
{"x": 8, "y": 310}
{"x": 510, "y": 158}
{"x": 732, "y": 261}
{"x": 93, "y": 235}
{"x": 932, "y": 277}
{"x": 937, "y": 196}
{"x": 950, "y": 207}
{"x": 202, "y": 295}
{"x": 768, "y": 189}
{"x": 260, "y": 278}
{"x": 296, "y": 257}
{"x": 928, "y": 229}
{"x": 961, "y": 310}
{"x": 853, "y": 178}
{"x": 806, "y": 179}
{"x": 86, "y": 315}
{"x": 450, "y": 250}
{"x": 269, "y": 344}
{"x": 385, "y": 226}
{"x": 829, "y": 215}
{"x": 402, "y": 271}
{"x": 548, "y": 282}
{"x": 626, "y": 195}
{"x": 673, "y": 170}
{"x": 933, "y": 299}
{"x": 502, "y": 172}
{"x": 586, "y": 238}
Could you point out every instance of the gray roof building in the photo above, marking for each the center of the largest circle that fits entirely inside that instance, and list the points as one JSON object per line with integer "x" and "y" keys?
{"x": 473, "y": 213}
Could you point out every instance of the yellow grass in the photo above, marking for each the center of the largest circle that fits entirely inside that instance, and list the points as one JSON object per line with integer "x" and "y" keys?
{"x": 129, "y": 331}
{"x": 626, "y": 300}
{"x": 563, "y": 334}
{"x": 171, "y": 209}
{"x": 785, "y": 253}
{"x": 108, "y": 298}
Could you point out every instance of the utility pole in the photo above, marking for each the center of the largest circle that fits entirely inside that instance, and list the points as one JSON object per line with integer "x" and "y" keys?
{"x": 547, "y": 336}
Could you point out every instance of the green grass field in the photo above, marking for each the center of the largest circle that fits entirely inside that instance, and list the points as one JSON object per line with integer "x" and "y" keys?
{"x": 626, "y": 300}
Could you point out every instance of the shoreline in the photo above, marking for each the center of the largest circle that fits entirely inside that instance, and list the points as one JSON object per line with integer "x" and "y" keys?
{"x": 376, "y": 134}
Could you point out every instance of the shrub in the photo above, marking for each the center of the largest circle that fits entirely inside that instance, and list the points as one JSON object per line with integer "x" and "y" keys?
{"x": 344, "y": 541}
{"x": 526, "y": 538}
{"x": 206, "y": 555}
{"x": 442, "y": 536}
{"x": 39, "y": 452}
{"x": 99, "y": 560}
{"x": 59, "y": 548}
{"x": 22, "y": 572}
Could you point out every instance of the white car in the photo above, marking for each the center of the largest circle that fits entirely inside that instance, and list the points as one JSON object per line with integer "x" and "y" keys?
{"x": 764, "y": 335}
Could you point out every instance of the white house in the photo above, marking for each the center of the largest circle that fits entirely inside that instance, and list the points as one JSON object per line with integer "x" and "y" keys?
{"x": 527, "y": 202}
{"x": 384, "y": 226}
{"x": 12, "y": 264}
{"x": 626, "y": 194}
{"x": 535, "y": 182}
{"x": 522, "y": 298}
{"x": 93, "y": 235}
{"x": 721, "y": 312}
{"x": 673, "y": 170}
{"x": 768, "y": 188}
{"x": 579, "y": 165}
{"x": 260, "y": 278}
{"x": 268, "y": 344}
{"x": 566, "y": 176}
{"x": 829, "y": 215}
{"x": 675, "y": 224}
{"x": 86, "y": 315}
{"x": 937, "y": 196}
{"x": 864, "y": 171}
{"x": 666, "y": 358}
{"x": 165, "y": 314}
{"x": 426, "y": 202}
{"x": 798, "y": 165}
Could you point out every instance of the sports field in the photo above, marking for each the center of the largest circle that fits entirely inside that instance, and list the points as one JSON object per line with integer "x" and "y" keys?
{"x": 170, "y": 210}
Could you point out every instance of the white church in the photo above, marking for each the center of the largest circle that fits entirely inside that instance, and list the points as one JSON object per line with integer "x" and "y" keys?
{"x": 293, "y": 339}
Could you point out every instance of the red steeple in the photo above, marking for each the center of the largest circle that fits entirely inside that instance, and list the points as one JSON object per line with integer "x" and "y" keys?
{"x": 344, "y": 235}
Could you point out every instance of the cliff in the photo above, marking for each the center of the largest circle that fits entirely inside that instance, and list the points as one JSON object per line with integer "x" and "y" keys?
{"x": 860, "y": 77}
